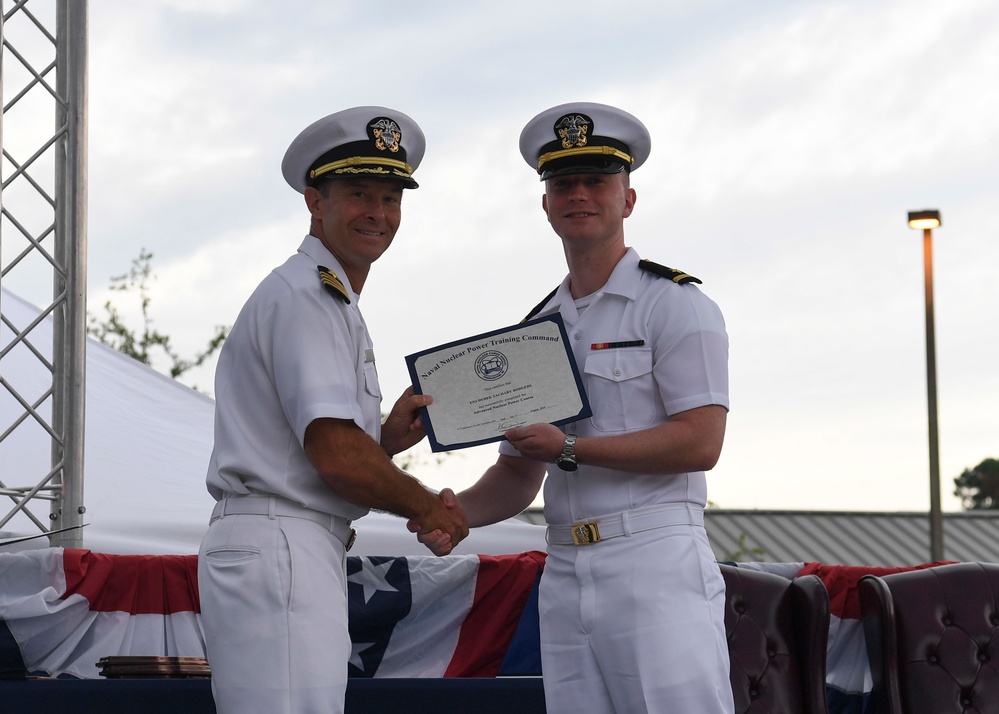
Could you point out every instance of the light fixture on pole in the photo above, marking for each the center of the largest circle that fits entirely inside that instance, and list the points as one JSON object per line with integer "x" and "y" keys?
{"x": 927, "y": 220}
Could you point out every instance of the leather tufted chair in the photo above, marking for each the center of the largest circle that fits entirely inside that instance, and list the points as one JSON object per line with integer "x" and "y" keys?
{"x": 777, "y": 632}
{"x": 933, "y": 639}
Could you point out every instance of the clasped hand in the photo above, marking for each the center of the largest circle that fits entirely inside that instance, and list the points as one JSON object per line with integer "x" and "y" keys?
{"x": 444, "y": 528}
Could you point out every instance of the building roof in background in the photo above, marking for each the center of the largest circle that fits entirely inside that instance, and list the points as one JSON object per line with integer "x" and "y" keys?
{"x": 843, "y": 537}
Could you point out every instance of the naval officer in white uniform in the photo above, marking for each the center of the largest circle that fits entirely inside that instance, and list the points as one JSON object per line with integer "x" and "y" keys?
{"x": 300, "y": 451}
{"x": 631, "y": 601}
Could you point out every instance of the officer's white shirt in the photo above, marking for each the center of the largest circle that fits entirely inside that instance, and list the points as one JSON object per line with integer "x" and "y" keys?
{"x": 683, "y": 364}
{"x": 295, "y": 353}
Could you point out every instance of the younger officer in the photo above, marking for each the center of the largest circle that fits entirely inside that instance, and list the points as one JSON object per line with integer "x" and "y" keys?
{"x": 300, "y": 450}
{"x": 631, "y": 601}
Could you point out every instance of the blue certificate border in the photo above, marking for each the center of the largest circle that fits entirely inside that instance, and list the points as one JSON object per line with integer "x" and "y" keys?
{"x": 435, "y": 446}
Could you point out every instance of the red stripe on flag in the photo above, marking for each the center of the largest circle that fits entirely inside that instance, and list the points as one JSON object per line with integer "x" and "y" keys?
{"x": 841, "y": 583}
{"x": 136, "y": 584}
{"x": 502, "y": 587}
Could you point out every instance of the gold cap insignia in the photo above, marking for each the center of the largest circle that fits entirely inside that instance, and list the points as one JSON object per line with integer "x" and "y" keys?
{"x": 386, "y": 134}
{"x": 572, "y": 130}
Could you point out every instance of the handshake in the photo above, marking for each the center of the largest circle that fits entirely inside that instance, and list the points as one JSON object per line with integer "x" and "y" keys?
{"x": 443, "y": 526}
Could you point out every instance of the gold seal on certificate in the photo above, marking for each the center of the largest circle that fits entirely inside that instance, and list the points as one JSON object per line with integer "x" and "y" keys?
{"x": 486, "y": 384}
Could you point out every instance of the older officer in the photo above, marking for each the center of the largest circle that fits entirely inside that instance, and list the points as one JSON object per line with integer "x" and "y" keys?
{"x": 300, "y": 450}
{"x": 631, "y": 597}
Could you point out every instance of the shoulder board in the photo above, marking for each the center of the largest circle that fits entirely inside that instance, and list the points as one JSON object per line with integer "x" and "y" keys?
{"x": 537, "y": 308}
{"x": 677, "y": 276}
{"x": 332, "y": 283}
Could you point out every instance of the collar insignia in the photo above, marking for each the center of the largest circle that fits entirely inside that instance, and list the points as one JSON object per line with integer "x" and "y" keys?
{"x": 572, "y": 130}
{"x": 332, "y": 283}
{"x": 386, "y": 134}
{"x": 677, "y": 276}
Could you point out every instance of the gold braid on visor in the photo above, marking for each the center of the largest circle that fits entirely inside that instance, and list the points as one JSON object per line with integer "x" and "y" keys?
{"x": 401, "y": 166}
{"x": 580, "y": 150}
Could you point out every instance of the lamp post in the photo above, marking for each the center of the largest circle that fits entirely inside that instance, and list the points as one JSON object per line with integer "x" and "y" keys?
{"x": 928, "y": 220}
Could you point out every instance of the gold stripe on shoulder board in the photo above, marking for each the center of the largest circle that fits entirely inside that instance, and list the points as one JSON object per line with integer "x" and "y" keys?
{"x": 677, "y": 276}
{"x": 333, "y": 284}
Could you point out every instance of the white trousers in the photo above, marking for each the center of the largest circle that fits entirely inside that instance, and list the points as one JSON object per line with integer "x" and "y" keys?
{"x": 274, "y": 610}
{"x": 635, "y": 625}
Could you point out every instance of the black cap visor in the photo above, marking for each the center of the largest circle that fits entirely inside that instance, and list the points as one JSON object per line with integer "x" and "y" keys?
{"x": 582, "y": 165}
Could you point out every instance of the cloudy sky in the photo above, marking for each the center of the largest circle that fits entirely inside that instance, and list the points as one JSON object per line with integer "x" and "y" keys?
{"x": 789, "y": 141}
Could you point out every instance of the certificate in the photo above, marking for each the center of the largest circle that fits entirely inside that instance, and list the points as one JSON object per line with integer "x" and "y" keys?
{"x": 486, "y": 384}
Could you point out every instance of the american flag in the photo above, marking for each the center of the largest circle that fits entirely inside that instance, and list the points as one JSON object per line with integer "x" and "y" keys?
{"x": 61, "y": 611}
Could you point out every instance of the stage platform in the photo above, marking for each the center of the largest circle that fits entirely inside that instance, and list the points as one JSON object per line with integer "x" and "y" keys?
{"x": 499, "y": 695}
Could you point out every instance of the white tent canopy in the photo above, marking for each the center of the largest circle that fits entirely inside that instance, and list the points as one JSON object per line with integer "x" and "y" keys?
{"x": 148, "y": 440}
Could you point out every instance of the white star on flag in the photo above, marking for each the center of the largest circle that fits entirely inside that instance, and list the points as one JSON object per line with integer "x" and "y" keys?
{"x": 356, "y": 649}
{"x": 372, "y": 578}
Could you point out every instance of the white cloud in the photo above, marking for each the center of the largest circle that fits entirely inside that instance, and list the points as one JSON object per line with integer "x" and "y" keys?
{"x": 788, "y": 141}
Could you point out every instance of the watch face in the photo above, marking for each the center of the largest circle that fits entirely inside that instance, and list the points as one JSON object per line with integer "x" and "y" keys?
{"x": 566, "y": 464}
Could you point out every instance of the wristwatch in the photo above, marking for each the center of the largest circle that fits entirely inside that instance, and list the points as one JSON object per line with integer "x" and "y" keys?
{"x": 567, "y": 459}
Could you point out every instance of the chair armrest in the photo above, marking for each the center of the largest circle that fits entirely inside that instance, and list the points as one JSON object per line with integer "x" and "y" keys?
{"x": 878, "y": 613}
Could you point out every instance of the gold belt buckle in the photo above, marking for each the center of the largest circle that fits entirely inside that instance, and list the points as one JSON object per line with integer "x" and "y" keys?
{"x": 585, "y": 533}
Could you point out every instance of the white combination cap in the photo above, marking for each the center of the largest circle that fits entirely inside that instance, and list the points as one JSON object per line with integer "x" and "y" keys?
{"x": 584, "y": 137}
{"x": 373, "y": 142}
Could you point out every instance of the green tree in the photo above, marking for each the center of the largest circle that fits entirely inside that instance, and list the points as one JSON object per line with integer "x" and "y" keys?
{"x": 978, "y": 488}
{"x": 142, "y": 344}
{"x": 757, "y": 553}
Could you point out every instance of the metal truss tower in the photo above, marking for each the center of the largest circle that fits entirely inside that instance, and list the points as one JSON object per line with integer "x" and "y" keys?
{"x": 43, "y": 246}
